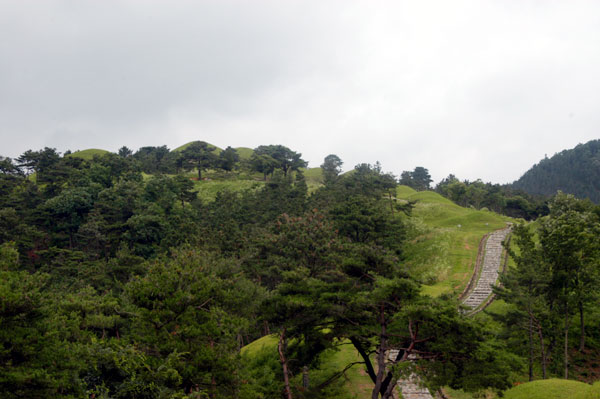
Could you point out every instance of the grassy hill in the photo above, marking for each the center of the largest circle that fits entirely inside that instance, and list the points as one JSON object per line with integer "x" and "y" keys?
{"x": 553, "y": 389}
{"x": 208, "y": 189}
{"x": 88, "y": 154}
{"x": 314, "y": 178}
{"x": 186, "y": 145}
{"x": 444, "y": 239}
{"x": 245, "y": 153}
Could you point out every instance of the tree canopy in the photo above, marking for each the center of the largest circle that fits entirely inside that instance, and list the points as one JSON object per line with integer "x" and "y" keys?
{"x": 118, "y": 280}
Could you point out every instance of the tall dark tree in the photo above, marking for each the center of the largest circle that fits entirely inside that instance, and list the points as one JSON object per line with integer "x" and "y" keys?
{"x": 569, "y": 248}
{"x": 263, "y": 163}
{"x": 287, "y": 160}
{"x": 526, "y": 286}
{"x": 406, "y": 178}
{"x": 332, "y": 166}
{"x": 154, "y": 159}
{"x": 41, "y": 162}
{"x": 228, "y": 159}
{"x": 184, "y": 189}
{"x": 125, "y": 152}
{"x": 419, "y": 179}
{"x": 199, "y": 155}
{"x": 7, "y": 166}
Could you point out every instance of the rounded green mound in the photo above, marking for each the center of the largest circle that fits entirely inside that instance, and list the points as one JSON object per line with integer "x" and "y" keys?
{"x": 550, "y": 389}
{"x": 404, "y": 191}
{"x": 592, "y": 392}
{"x": 88, "y": 154}
{"x": 186, "y": 145}
{"x": 244, "y": 152}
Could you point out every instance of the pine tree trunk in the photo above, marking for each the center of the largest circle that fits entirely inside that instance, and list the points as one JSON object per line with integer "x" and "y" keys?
{"x": 286, "y": 375}
{"x": 380, "y": 356}
{"x": 213, "y": 387}
{"x": 389, "y": 391}
{"x": 582, "y": 324}
{"x": 365, "y": 356}
{"x": 530, "y": 348}
{"x": 305, "y": 378}
{"x": 213, "y": 382}
{"x": 566, "y": 350}
{"x": 543, "y": 351}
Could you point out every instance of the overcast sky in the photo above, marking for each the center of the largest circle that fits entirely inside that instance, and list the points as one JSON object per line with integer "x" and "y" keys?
{"x": 481, "y": 89}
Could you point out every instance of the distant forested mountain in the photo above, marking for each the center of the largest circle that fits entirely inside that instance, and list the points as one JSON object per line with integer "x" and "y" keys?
{"x": 575, "y": 171}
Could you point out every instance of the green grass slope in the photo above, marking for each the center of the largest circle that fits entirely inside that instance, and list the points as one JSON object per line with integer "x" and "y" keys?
{"x": 444, "y": 239}
{"x": 267, "y": 342}
{"x": 356, "y": 383}
{"x": 314, "y": 178}
{"x": 208, "y": 189}
{"x": 550, "y": 389}
{"x": 592, "y": 392}
{"x": 186, "y": 145}
{"x": 245, "y": 153}
{"x": 88, "y": 154}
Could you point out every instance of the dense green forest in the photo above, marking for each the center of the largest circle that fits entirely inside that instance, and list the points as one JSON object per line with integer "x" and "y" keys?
{"x": 575, "y": 171}
{"x": 122, "y": 278}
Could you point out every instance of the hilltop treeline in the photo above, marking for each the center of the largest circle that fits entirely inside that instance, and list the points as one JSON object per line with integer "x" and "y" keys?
{"x": 118, "y": 281}
{"x": 575, "y": 171}
{"x": 502, "y": 199}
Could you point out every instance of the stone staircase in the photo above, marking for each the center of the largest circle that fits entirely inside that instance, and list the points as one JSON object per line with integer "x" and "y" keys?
{"x": 411, "y": 387}
{"x": 489, "y": 271}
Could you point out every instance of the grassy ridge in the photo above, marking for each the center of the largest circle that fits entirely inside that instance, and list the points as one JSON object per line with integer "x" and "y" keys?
{"x": 314, "y": 178}
{"x": 88, "y": 154}
{"x": 245, "y": 153}
{"x": 208, "y": 189}
{"x": 553, "y": 389}
{"x": 186, "y": 145}
{"x": 444, "y": 239}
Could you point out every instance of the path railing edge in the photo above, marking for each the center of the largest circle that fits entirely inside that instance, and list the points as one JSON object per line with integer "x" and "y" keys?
{"x": 478, "y": 264}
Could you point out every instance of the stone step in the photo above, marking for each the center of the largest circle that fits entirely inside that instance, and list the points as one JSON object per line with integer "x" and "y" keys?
{"x": 412, "y": 389}
{"x": 492, "y": 258}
